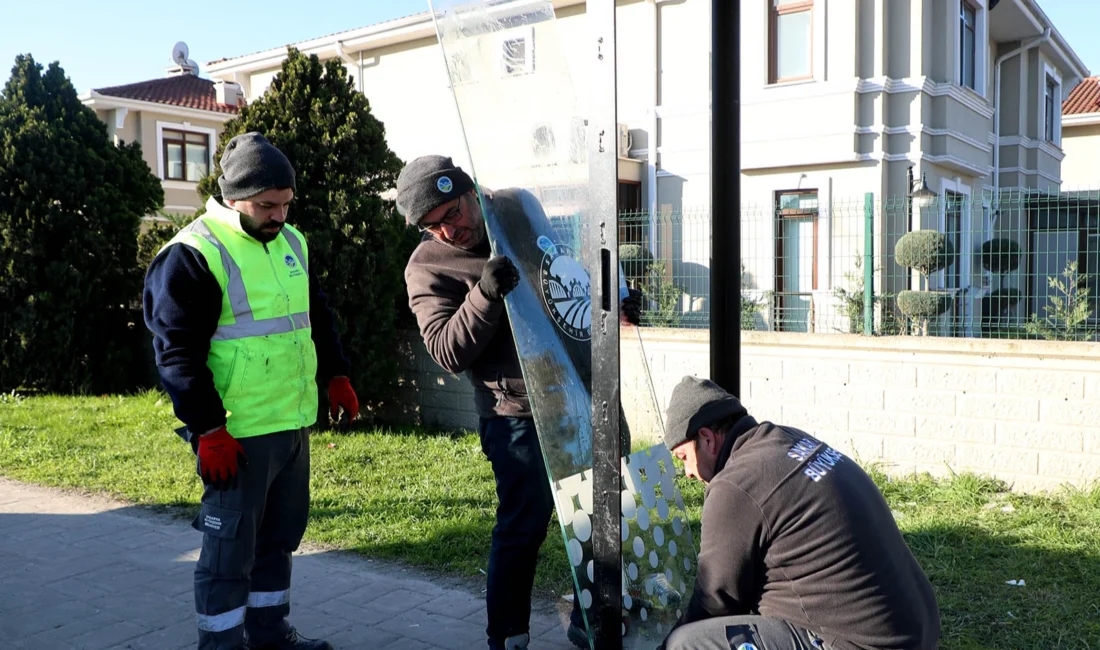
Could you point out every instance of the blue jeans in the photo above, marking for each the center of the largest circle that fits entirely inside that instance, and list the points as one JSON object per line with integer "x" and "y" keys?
{"x": 525, "y": 503}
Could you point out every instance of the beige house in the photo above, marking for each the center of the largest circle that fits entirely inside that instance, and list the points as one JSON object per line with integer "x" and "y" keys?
{"x": 1081, "y": 137}
{"x": 839, "y": 99}
{"x": 177, "y": 120}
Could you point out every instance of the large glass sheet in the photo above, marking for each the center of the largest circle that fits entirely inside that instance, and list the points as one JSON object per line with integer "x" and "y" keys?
{"x": 513, "y": 71}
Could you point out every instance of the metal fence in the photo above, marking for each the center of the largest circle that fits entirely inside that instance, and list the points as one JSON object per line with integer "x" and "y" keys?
{"x": 1024, "y": 266}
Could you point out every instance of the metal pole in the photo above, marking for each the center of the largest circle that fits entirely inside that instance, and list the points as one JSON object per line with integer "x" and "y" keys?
{"x": 868, "y": 264}
{"x": 725, "y": 196}
{"x": 604, "y": 242}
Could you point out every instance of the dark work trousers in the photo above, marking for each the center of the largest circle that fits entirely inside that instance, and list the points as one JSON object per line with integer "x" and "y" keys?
{"x": 525, "y": 503}
{"x": 242, "y": 580}
{"x": 742, "y": 633}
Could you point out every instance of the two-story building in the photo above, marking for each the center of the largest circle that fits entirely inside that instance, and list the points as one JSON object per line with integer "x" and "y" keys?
{"x": 177, "y": 119}
{"x": 839, "y": 98}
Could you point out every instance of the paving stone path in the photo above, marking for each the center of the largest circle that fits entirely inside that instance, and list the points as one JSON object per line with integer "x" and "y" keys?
{"x": 82, "y": 572}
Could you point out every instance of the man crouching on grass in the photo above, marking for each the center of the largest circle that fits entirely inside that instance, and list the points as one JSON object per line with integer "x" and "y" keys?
{"x": 799, "y": 549}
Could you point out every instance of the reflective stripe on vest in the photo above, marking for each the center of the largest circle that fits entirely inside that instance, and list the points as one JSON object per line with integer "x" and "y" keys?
{"x": 238, "y": 297}
{"x": 265, "y": 327}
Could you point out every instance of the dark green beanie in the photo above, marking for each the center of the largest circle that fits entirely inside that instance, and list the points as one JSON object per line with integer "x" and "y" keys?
{"x": 697, "y": 403}
{"x": 427, "y": 183}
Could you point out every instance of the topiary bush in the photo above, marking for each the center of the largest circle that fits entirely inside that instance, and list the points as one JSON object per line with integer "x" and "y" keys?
{"x": 926, "y": 251}
{"x": 635, "y": 260}
{"x": 1001, "y": 255}
{"x": 923, "y": 306}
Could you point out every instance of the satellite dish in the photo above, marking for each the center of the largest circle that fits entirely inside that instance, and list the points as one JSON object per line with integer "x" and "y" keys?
{"x": 180, "y": 53}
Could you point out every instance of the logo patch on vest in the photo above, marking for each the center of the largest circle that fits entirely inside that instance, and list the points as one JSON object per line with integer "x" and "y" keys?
{"x": 566, "y": 290}
{"x": 290, "y": 261}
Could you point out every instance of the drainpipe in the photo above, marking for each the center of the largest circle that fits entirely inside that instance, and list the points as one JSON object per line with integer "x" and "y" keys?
{"x": 338, "y": 47}
{"x": 997, "y": 118}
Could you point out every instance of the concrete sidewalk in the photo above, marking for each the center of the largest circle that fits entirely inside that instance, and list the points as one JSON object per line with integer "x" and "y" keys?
{"x": 87, "y": 573}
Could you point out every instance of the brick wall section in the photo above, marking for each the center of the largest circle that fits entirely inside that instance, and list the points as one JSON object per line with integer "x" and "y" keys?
{"x": 1027, "y": 412}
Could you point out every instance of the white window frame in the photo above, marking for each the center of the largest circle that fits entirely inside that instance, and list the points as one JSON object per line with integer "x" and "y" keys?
{"x": 191, "y": 128}
{"x": 1051, "y": 72}
{"x": 527, "y": 35}
{"x": 981, "y": 44}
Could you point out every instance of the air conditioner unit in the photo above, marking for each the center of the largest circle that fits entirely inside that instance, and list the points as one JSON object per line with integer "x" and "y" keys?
{"x": 625, "y": 141}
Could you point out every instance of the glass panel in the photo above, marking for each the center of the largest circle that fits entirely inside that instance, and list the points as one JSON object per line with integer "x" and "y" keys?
{"x": 197, "y": 162}
{"x": 515, "y": 56}
{"x": 173, "y": 168}
{"x": 793, "y": 45}
{"x": 525, "y": 138}
{"x": 1090, "y": 272}
{"x": 199, "y": 138}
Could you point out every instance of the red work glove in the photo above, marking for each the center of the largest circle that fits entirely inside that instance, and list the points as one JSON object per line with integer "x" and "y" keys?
{"x": 220, "y": 455}
{"x": 341, "y": 395}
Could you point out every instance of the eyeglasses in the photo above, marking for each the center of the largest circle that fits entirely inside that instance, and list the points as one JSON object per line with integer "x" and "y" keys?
{"x": 448, "y": 219}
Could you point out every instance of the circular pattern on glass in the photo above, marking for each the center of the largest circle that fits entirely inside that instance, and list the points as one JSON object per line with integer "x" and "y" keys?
{"x": 662, "y": 508}
{"x": 591, "y": 571}
{"x": 687, "y": 564}
{"x": 668, "y": 576}
{"x": 626, "y": 530}
{"x": 643, "y": 614}
{"x": 643, "y": 519}
{"x": 653, "y": 559}
{"x": 649, "y": 497}
{"x": 628, "y": 602}
{"x": 672, "y": 547}
{"x": 629, "y": 506}
{"x": 586, "y": 599}
{"x": 576, "y": 553}
{"x": 632, "y": 571}
{"x": 582, "y": 525}
{"x": 585, "y": 497}
{"x": 658, "y": 536}
{"x": 639, "y": 547}
{"x": 677, "y": 526}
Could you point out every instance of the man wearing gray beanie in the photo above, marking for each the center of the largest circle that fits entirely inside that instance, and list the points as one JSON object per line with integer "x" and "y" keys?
{"x": 457, "y": 291}
{"x": 799, "y": 548}
{"x": 242, "y": 334}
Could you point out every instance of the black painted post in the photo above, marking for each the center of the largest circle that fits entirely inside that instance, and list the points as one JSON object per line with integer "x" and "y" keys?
{"x": 725, "y": 203}
{"x": 603, "y": 244}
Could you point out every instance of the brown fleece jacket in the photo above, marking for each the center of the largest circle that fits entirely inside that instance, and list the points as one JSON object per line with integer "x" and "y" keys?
{"x": 794, "y": 530}
{"x": 463, "y": 330}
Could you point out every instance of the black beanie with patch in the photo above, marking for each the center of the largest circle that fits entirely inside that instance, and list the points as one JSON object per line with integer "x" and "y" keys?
{"x": 427, "y": 183}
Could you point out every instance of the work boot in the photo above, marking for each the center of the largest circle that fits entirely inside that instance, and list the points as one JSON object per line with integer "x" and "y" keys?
{"x": 294, "y": 641}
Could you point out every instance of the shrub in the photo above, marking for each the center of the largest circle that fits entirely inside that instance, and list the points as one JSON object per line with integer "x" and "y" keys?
{"x": 926, "y": 251}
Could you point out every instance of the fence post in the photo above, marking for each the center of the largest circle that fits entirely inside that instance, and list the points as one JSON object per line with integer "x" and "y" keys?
{"x": 868, "y": 264}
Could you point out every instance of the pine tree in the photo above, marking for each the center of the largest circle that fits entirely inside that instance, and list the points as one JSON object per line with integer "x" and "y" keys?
{"x": 358, "y": 244}
{"x": 70, "y": 207}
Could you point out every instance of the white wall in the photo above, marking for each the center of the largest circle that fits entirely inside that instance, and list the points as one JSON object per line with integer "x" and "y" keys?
{"x": 1024, "y": 411}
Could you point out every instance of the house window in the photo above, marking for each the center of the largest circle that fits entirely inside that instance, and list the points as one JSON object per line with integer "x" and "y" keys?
{"x": 795, "y": 260}
{"x": 967, "y": 45}
{"x": 517, "y": 54}
{"x": 186, "y": 155}
{"x": 1052, "y": 109}
{"x": 790, "y": 40}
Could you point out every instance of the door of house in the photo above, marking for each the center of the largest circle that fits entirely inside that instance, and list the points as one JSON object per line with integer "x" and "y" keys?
{"x": 796, "y": 260}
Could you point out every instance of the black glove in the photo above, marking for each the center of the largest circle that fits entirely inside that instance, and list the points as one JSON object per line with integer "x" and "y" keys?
{"x": 632, "y": 307}
{"x": 498, "y": 278}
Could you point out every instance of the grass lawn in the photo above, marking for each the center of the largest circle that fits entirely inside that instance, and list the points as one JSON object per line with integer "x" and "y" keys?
{"x": 427, "y": 499}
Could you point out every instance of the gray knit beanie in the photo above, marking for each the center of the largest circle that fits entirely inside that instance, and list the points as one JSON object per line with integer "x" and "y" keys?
{"x": 427, "y": 183}
{"x": 251, "y": 165}
{"x": 697, "y": 403}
